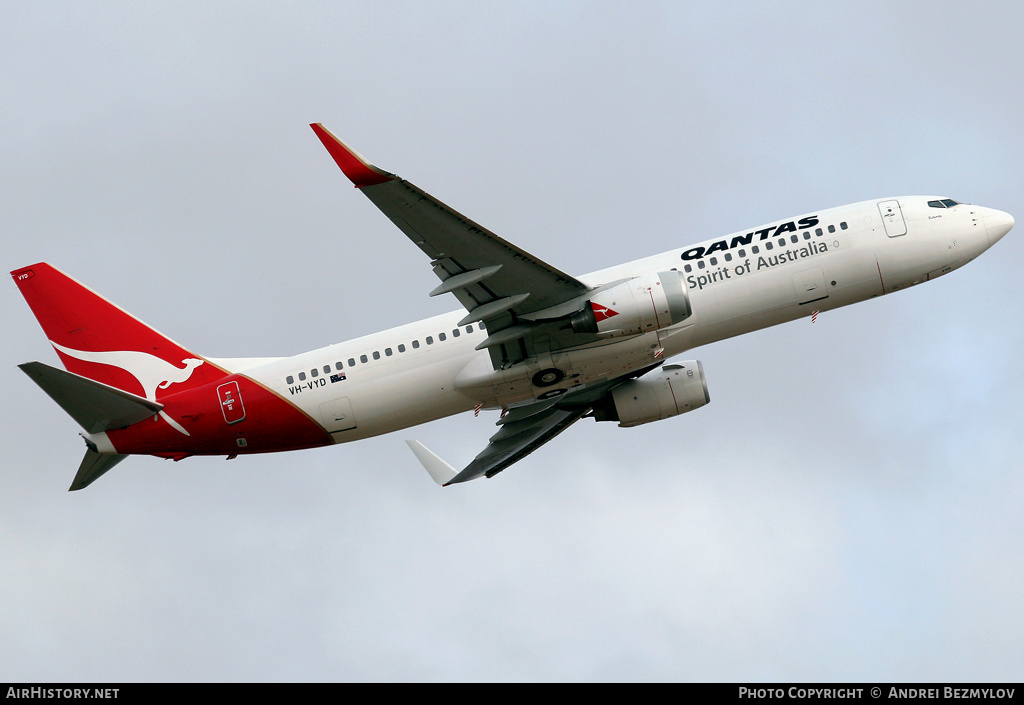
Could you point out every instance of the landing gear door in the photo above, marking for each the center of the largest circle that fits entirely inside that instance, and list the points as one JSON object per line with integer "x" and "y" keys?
{"x": 892, "y": 218}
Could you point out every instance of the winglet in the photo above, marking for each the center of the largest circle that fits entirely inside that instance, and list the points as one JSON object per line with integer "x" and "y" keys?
{"x": 359, "y": 171}
{"x": 439, "y": 470}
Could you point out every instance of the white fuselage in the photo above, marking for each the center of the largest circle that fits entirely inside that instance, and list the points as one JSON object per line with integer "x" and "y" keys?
{"x": 737, "y": 284}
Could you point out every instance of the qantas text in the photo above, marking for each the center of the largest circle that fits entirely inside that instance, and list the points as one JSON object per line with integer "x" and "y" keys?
{"x": 741, "y": 240}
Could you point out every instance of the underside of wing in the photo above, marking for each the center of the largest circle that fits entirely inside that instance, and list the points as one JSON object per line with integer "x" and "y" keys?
{"x": 519, "y": 436}
{"x": 523, "y": 430}
{"x": 498, "y": 283}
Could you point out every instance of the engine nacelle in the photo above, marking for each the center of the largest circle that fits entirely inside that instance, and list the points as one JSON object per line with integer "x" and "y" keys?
{"x": 669, "y": 391}
{"x": 640, "y": 305}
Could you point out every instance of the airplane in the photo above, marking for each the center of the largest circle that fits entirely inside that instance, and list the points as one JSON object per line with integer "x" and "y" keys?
{"x": 544, "y": 347}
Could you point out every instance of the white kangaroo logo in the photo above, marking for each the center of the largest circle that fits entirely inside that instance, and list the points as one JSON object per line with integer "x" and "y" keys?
{"x": 151, "y": 372}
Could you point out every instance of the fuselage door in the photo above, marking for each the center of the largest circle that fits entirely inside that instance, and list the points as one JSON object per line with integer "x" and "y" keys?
{"x": 810, "y": 286}
{"x": 892, "y": 218}
{"x": 337, "y": 415}
{"x": 230, "y": 398}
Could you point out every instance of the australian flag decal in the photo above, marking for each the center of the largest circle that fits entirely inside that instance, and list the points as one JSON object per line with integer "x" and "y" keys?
{"x": 340, "y": 377}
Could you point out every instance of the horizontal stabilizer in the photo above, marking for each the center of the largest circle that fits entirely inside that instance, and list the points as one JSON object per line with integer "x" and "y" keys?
{"x": 93, "y": 465}
{"x": 95, "y": 406}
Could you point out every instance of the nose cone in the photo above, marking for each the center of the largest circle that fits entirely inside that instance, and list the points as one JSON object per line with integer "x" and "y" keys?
{"x": 997, "y": 224}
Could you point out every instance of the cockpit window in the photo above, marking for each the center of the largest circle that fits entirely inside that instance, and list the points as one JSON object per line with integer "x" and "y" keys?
{"x": 944, "y": 203}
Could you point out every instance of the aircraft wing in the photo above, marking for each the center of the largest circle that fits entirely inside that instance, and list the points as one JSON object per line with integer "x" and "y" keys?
{"x": 493, "y": 279}
{"x": 522, "y": 431}
{"x": 519, "y": 435}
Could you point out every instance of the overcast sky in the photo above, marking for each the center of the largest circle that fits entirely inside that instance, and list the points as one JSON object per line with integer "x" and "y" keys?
{"x": 848, "y": 507}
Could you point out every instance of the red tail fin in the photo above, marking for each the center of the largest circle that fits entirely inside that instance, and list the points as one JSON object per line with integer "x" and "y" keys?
{"x": 96, "y": 339}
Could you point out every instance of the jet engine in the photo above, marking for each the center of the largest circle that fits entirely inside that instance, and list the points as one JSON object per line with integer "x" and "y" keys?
{"x": 640, "y": 305}
{"x": 668, "y": 391}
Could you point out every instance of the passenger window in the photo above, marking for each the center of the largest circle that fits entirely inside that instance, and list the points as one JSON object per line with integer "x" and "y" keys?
{"x": 700, "y": 264}
{"x": 831, "y": 228}
{"x": 430, "y": 340}
{"x": 387, "y": 351}
{"x": 351, "y": 362}
{"x": 753, "y": 248}
{"x": 442, "y": 336}
{"x": 482, "y": 326}
{"x": 289, "y": 379}
{"x": 728, "y": 257}
{"x": 768, "y": 244}
{"x": 843, "y": 225}
{"x": 469, "y": 329}
{"x": 302, "y": 376}
{"x": 818, "y": 232}
{"x": 313, "y": 372}
{"x": 415, "y": 344}
{"x": 807, "y": 236}
{"x": 714, "y": 261}
{"x": 363, "y": 358}
{"x": 376, "y": 355}
{"x": 742, "y": 253}
{"x": 338, "y": 365}
{"x": 401, "y": 347}
{"x": 456, "y": 333}
{"x": 687, "y": 268}
{"x": 794, "y": 238}
{"x": 327, "y": 369}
